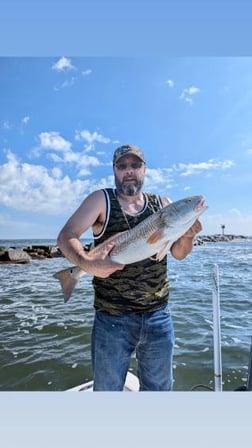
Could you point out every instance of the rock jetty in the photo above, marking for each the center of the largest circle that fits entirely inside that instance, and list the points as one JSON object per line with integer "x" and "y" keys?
{"x": 27, "y": 254}
{"x": 217, "y": 238}
{"x": 36, "y": 252}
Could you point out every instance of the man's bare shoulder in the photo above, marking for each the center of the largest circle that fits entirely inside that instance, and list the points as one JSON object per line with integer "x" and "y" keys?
{"x": 97, "y": 195}
{"x": 95, "y": 200}
{"x": 91, "y": 209}
{"x": 95, "y": 207}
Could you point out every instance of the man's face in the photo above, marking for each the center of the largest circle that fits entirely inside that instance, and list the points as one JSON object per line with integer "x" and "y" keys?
{"x": 129, "y": 175}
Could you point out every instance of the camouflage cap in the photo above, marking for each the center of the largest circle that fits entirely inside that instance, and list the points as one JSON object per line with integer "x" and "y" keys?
{"x": 127, "y": 150}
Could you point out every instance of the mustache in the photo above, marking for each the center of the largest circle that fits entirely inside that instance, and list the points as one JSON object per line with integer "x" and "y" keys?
{"x": 129, "y": 178}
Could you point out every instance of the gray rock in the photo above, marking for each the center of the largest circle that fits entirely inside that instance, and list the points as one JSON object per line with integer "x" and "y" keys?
{"x": 13, "y": 255}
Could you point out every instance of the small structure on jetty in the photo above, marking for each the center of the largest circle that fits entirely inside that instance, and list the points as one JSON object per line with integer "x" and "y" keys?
{"x": 223, "y": 228}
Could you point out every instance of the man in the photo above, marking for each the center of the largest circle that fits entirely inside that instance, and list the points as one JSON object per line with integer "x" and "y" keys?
{"x": 131, "y": 301}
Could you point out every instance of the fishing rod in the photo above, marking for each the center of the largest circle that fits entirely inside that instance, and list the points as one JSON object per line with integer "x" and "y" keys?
{"x": 216, "y": 335}
{"x": 217, "y": 330}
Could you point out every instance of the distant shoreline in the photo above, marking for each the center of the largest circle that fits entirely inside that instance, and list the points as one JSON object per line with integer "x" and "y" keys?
{"x": 25, "y": 254}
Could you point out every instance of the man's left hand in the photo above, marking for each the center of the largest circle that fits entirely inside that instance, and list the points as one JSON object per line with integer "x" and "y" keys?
{"x": 196, "y": 228}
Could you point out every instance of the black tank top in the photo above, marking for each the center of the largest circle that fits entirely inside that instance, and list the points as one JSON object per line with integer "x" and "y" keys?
{"x": 141, "y": 286}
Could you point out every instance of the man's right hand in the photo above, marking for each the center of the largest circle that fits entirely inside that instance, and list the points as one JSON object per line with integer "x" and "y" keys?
{"x": 101, "y": 264}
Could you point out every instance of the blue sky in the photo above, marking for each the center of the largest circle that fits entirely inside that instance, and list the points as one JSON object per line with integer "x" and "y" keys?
{"x": 62, "y": 117}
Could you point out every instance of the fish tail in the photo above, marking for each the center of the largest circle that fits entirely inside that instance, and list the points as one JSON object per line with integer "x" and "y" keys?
{"x": 68, "y": 280}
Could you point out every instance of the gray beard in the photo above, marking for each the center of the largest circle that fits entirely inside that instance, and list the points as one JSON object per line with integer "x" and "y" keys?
{"x": 129, "y": 190}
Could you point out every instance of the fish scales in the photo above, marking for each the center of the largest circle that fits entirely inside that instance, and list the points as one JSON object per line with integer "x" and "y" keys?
{"x": 129, "y": 241}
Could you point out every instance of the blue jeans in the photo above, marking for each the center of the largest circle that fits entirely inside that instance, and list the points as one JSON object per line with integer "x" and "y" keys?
{"x": 115, "y": 338}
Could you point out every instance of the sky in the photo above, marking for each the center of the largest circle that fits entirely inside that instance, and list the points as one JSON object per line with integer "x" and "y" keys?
{"x": 61, "y": 118}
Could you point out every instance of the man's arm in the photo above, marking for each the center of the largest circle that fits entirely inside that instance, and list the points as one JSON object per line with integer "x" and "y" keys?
{"x": 86, "y": 216}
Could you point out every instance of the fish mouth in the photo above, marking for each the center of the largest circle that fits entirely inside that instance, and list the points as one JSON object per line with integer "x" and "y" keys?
{"x": 201, "y": 205}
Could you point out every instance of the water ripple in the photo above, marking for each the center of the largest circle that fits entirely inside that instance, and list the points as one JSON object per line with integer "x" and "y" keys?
{"x": 45, "y": 344}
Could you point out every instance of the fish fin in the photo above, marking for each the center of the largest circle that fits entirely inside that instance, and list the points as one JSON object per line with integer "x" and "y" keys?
{"x": 163, "y": 251}
{"x": 155, "y": 236}
{"x": 68, "y": 279}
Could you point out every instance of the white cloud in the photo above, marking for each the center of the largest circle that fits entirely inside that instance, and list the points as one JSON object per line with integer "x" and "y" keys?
{"x": 39, "y": 190}
{"x": 79, "y": 159}
{"x": 249, "y": 151}
{"x": 192, "y": 90}
{"x": 197, "y": 168}
{"x": 63, "y": 64}
{"x": 170, "y": 83}
{"x": 36, "y": 189}
{"x": 6, "y": 125}
{"x": 158, "y": 180}
{"x": 157, "y": 175}
{"x": 25, "y": 120}
{"x": 83, "y": 172}
{"x": 67, "y": 83}
{"x": 56, "y": 173}
{"x": 91, "y": 137}
{"x": 86, "y": 72}
{"x": 53, "y": 140}
{"x": 162, "y": 179}
{"x": 85, "y": 160}
{"x": 235, "y": 212}
{"x": 187, "y": 94}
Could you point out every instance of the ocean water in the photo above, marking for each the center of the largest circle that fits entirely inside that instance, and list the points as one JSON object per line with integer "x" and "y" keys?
{"x": 45, "y": 344}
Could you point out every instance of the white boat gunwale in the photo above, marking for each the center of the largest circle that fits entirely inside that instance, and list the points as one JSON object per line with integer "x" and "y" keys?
{"x": 131, "y": 385}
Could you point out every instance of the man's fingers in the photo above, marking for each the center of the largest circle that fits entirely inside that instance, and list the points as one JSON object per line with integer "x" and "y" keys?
{"x": 107, "y": 249}
{"x": 107, "y": 267}
{"x": 198, "y": 226}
